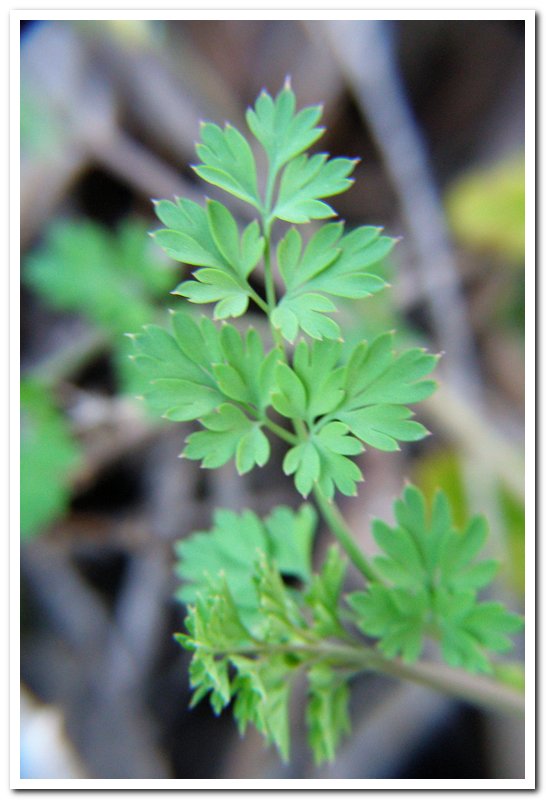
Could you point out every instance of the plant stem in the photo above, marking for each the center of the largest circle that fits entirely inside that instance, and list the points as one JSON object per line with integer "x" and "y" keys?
{"x": 269, "y": 283}
{"x": 281, "y": 432}
{"x": 476, "y": 689}
{"x": 329, "y": 510}
{"x": 480, "y": 690}
{"x": 259, "y": 302}
{"x": 333, "y": 517}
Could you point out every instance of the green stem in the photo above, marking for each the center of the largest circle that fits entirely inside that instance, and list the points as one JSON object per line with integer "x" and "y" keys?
{"x": 480, "y": 690}
{"x": 333, "y": 517}
{"x": 259, "y": 302}
{"x": 328, "y": 509}
{"x": 281, "y": 432}
{"x": 269, "y": 283}
{"x": 267, "y": 222}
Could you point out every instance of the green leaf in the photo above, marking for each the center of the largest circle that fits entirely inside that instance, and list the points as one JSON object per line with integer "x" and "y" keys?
{"x": 312, "y": 387}
{"x": 112, "y": 279}
{"x": 343, "y": 404}
{"x": 317, "y": 366}
{"x": 303, "y": 461}
{"x": 247, "y": 373}
{"x": 396, "y": 616}
{"x": 214, "y": 628}
{"x": 322, "y": 461}
{"x": 265, "y": 687}
{"x": 331, "y": 264}
{"x": 469, "y": 629}
{"x": 177, "y": 374}
{"x": 431, "y": 581}
{"x": 233, "y": 546}
{"x": 364, "y": 397}
{"x": 228, "y": 433}
{"x": 281, "y": 131}
{"x": 210, "y": 240}
{"x": 193, "y": 372}
{"x": 327, "y": 711}
{"x": 324, "y": 595}
{"x": 377, "y": 385}
{"x": 49, "y": 454}
{"x": 305, "y": 180}
{"x": 228, "y": 162}
{"x": 306, "y": 311}
{"x": 291, "y": 535}
{"x": 289, "y": 397}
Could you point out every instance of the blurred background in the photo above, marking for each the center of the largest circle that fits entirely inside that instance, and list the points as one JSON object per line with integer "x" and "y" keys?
{"x": 110, "y": 113}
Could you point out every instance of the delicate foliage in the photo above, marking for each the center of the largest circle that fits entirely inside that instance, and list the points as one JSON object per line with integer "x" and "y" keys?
{"x": 431, "y": 584}
{"x": 196, "y": 373}
{"x": 228, "y": 162}
{"x": 234, "y": 545}
{"x": 267, "y": 660}
{"x": 210, "y": 239}
{"x": 177, "y": 368}
{"x": 331, "y": 264}
{"x": 257, "y": 616}
{"x": 229, "y": 433}
{"x": 282, "y": 132}
{"x": 344, "y": 405}
{"x": 327, "y": 711}
{"x": 304, "y": 183}
{"x": 322, "y": 461}
{"x": 49, "y": 454}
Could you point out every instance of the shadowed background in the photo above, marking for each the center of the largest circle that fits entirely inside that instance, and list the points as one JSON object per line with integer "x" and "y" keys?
{"x": 110, "y": 113}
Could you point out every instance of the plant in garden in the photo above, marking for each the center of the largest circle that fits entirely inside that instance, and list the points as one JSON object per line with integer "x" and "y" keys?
{"x": 249, "y": 628}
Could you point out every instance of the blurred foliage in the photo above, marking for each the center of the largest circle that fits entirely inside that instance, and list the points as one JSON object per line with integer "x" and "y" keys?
{"x": 49, "y": 454}
{"x": 486, "y": 209}
{"x": 109, "y": 278}
{"x": 112, "y": 279}
{"x": 443, "y": 469}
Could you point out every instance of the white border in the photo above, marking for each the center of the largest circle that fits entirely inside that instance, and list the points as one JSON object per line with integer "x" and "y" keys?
{"x": 352, "y": 11}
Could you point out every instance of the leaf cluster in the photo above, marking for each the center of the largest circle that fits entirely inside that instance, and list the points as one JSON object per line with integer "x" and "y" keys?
{"x": 232, "y": 385}
{"x": 252, "y": 637}
{"x": 428, "y": 584}
{"x": 332, "y": 264}
{"x": 251, "y": 633}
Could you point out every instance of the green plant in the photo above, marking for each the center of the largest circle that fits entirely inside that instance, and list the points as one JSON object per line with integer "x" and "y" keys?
{"x": 48, "y": 456}
{"x": 249, "y": 630}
